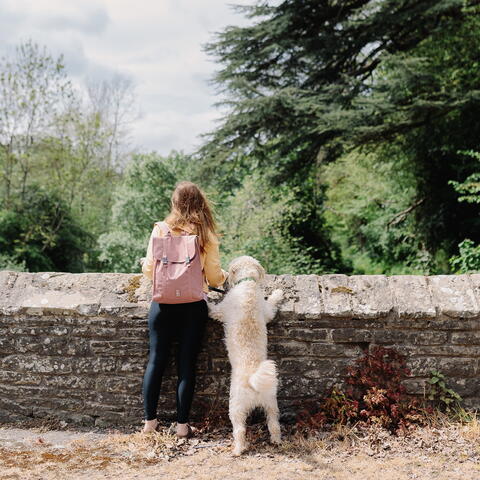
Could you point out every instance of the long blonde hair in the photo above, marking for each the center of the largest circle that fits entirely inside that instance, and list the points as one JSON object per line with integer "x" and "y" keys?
{"x": 191, "y": 207}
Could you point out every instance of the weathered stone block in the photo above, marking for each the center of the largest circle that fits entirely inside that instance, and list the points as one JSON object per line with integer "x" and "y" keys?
{"x": 287, "y": 283}
{"x": 323, "y": 367}
{"x": 130, "y": 365}
{"x": 414, "y": 337}
{"x": 14, "y": 407}
{"x": 441, "y": 322}
{"x": 454, "y": 295}
{"x": 37, "y": 364}
{"x": 346, "y": 335}
{"x": 105, "y": 383}
{"x": 309, "y": 303}
{"x": 412, "y": 296}
{"x": 211, "y": 385}
{"x": 140, "y": 333}
{"x": 54, "y": 330}
{"x": 294, "y": 386}
{"x": 19, "y": 378}
{"x": 115, "y": 398}
{"x": 7, "y": 346}
{"x": 463, "y": 386}
{"x": 310, "y": 334}
{"x": 95, "y": 331}
{"x": 282, "y": 347}
{"x": 334, "y": 350}
{"x": 439, "y": 350}
{"x": 370, "y": 296}
{"x": 336, "y": 295}
{"x": 63, "y": 406}
{"x": 221, "y": 365}
{"x": 474, "y": 279}
{"x": 119, "y": 347}
{"x": 450, "y": 367}
{"x": 81, "y": 354}
{"x": 466, "y": 338}
{"x": 95, "y": 365}
{"x": 72, "y": 382}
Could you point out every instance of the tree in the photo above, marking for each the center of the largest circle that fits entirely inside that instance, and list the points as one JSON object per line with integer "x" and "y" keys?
{"x": 291, "y": 78}
{"x": 468, "y": 259}
{"x": 369, "y": 205}
{"x": 309, "y": 81}
{"x": 141, "y": 199}
{"x": 40, "y": 234}
{"x": 87, "y": 154}
{"x": 113, "y": 102}
{"x": 255, "y": 221}
{"x": 69, "y": 143}
{"x": 34, "y": 92}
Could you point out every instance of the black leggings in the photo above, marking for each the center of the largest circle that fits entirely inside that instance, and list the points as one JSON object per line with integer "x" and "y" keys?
{"x": 185, "y": 321}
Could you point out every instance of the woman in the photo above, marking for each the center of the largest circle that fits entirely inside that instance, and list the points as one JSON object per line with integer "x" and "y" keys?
{"x": 190, "y": 212}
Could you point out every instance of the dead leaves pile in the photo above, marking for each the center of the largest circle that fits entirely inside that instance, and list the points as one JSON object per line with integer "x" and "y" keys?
{"x": 151, "y": 447}
{"x": 459, "y": 442}
{"x": 456, "y": 441}
{"x": 134, "y": 449}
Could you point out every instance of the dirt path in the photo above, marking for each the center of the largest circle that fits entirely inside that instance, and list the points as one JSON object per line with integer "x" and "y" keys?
{"x": 438, "y": 454}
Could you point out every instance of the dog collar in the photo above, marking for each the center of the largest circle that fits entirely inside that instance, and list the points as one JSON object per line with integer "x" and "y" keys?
{"x": 244, "y": 279}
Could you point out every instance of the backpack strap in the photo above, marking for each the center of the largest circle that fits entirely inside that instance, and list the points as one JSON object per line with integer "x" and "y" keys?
{"x": 166, "y": 229}
{"x": 163, "y": 226}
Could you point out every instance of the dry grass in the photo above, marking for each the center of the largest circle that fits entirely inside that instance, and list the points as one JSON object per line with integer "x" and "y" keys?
{"x": 441, "y": 450}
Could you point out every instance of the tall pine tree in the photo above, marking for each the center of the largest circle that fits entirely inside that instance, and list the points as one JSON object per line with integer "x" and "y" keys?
{"x": 309, "y": 79}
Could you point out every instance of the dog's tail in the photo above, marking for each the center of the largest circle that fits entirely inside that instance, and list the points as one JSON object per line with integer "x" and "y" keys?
{"x": 265, "y": 377}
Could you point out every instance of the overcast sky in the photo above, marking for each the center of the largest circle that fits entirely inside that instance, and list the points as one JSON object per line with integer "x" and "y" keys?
{"x": 156, "y": 43}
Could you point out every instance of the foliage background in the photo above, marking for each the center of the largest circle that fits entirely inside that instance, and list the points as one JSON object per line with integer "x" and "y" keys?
{"x": 350, "y": 145}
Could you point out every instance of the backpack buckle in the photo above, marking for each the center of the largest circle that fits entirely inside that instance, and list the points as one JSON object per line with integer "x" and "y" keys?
{"x": 164, "y": 259}
{"x": 187, "y": 260}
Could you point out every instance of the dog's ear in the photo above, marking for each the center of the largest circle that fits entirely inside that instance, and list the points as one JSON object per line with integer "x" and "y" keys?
{"x": 231, "y": 275}
{"x": 261, "y": 272}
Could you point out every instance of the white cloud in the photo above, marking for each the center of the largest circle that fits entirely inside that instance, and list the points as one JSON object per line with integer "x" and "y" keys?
{"x": 158, "y": 44}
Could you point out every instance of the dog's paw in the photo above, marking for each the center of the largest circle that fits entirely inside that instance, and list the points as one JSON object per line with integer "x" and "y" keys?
{"x": 276, "y": 439}
{"x": 238, "y": 450}
{"x": 276, "y": 296}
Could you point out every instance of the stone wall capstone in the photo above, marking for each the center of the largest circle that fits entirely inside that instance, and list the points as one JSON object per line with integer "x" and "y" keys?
{"x": 75, "y": 346}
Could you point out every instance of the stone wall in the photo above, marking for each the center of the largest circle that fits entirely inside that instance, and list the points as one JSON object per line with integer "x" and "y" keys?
{"x": 75, "y": 346}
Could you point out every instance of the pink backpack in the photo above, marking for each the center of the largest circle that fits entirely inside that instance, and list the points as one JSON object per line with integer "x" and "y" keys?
{"x": 177, "y": 271}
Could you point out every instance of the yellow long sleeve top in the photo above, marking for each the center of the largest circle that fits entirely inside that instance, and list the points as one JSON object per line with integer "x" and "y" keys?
{"x": 213, "y": 274}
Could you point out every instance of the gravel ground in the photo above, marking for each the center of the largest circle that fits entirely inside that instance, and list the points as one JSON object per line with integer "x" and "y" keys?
{"x": 41, "y": 452}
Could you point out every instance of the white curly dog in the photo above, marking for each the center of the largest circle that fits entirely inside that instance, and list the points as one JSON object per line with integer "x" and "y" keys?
{"x": 244, "y": 313}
